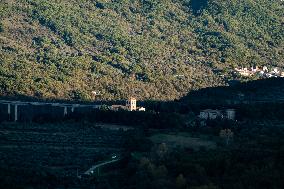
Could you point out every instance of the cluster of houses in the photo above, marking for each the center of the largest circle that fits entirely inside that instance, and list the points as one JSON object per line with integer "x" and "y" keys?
{"x": 263, "y": 72}
{"x": 209, "y": 114}
{"x": 212, "y": 114}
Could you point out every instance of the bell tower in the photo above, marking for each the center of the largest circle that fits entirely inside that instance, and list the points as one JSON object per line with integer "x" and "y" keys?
{"x": 131, "y": 104}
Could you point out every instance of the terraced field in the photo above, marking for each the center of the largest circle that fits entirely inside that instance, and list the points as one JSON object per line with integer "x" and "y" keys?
{"x": 58, "y": 150}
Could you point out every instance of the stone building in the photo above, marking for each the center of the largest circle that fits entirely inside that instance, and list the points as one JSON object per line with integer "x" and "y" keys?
{"x": 131, "y": 104}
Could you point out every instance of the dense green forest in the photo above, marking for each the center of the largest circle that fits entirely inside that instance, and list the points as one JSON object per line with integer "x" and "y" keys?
{"x": 157, "y": 49}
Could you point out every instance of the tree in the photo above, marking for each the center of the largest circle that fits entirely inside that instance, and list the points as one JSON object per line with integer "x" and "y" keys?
{"x": 160, "y": 152}
{"x": 160, "y": 172}
{"x": 227, "y": 135}
{"x": 180, "y": 181}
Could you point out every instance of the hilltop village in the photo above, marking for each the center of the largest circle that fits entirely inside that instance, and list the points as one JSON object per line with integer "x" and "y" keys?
{"x": 263, "y": 72}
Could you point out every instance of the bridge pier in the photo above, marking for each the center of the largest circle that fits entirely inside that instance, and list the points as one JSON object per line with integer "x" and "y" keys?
{"x": 16, "y": 113}
{"x": 65, "y": 111}
{"x": 9, "y": 111}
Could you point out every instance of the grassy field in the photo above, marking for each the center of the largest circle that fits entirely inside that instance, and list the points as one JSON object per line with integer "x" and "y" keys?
{"x": 183, "y": 140}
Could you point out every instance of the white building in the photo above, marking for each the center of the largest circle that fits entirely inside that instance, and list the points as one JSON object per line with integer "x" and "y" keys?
{"x": 275, "y": 70}
{"x": 131, "y": 104}
{"x": 214, "y": 114}
{"x": 265, "y": 69}
{"x": 141, "y": 109}
{"x": 210, "y": 114}
{"x": 230, "y": 114}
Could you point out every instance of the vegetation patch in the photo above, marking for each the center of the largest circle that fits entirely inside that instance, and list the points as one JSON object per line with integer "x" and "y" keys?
{"x": 183, "y": 141}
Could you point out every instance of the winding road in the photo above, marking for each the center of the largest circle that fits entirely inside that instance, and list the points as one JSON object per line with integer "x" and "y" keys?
{"x": 93, "y": 168}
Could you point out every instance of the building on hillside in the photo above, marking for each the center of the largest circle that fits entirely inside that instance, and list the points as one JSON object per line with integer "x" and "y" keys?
{"x": 261, "y": 73}
{"x": 255, "y": 69}
{"x": 275, "y": 70}
{"x": 210, "y": 114}
{"x": 264, "y": 72}
{"x": 244, "y": 72}
{"x": 230, "y": 114}
{"x": 141, "y": 109}
{"x": 265, "y": 69}
{"x": 131, "y": 104}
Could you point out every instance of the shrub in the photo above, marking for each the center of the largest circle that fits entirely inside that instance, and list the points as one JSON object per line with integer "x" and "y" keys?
{"x": 1, "y": 27}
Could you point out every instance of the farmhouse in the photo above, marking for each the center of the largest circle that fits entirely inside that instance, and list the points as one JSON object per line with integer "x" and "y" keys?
{"x": 210, "y": 114}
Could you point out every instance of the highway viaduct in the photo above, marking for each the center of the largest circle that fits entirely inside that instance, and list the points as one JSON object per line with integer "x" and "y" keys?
{"x": 14, "y": 110}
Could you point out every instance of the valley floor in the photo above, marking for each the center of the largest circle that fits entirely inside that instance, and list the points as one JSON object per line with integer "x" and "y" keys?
{"x": 33, "y": 152}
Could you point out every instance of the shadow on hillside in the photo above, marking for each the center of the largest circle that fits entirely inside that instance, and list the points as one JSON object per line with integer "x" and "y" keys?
{"x": 196, "y": 5}
{"x": 20, "y": 108}
{"x": 159, "y": 114}
{"x": 259, "y": 91}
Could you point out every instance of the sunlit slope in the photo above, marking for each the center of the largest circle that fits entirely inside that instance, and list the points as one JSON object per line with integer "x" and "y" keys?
{"x": 158, "y": 49}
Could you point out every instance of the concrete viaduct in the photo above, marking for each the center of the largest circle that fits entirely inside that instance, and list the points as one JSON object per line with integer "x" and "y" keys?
{"x": 14, "y": 110}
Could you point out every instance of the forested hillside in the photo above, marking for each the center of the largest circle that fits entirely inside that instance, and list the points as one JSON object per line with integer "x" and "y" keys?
{"x": 157, "y": 49}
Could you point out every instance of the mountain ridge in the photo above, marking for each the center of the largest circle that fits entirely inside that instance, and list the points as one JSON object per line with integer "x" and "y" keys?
{"x": 157, "y": 49}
